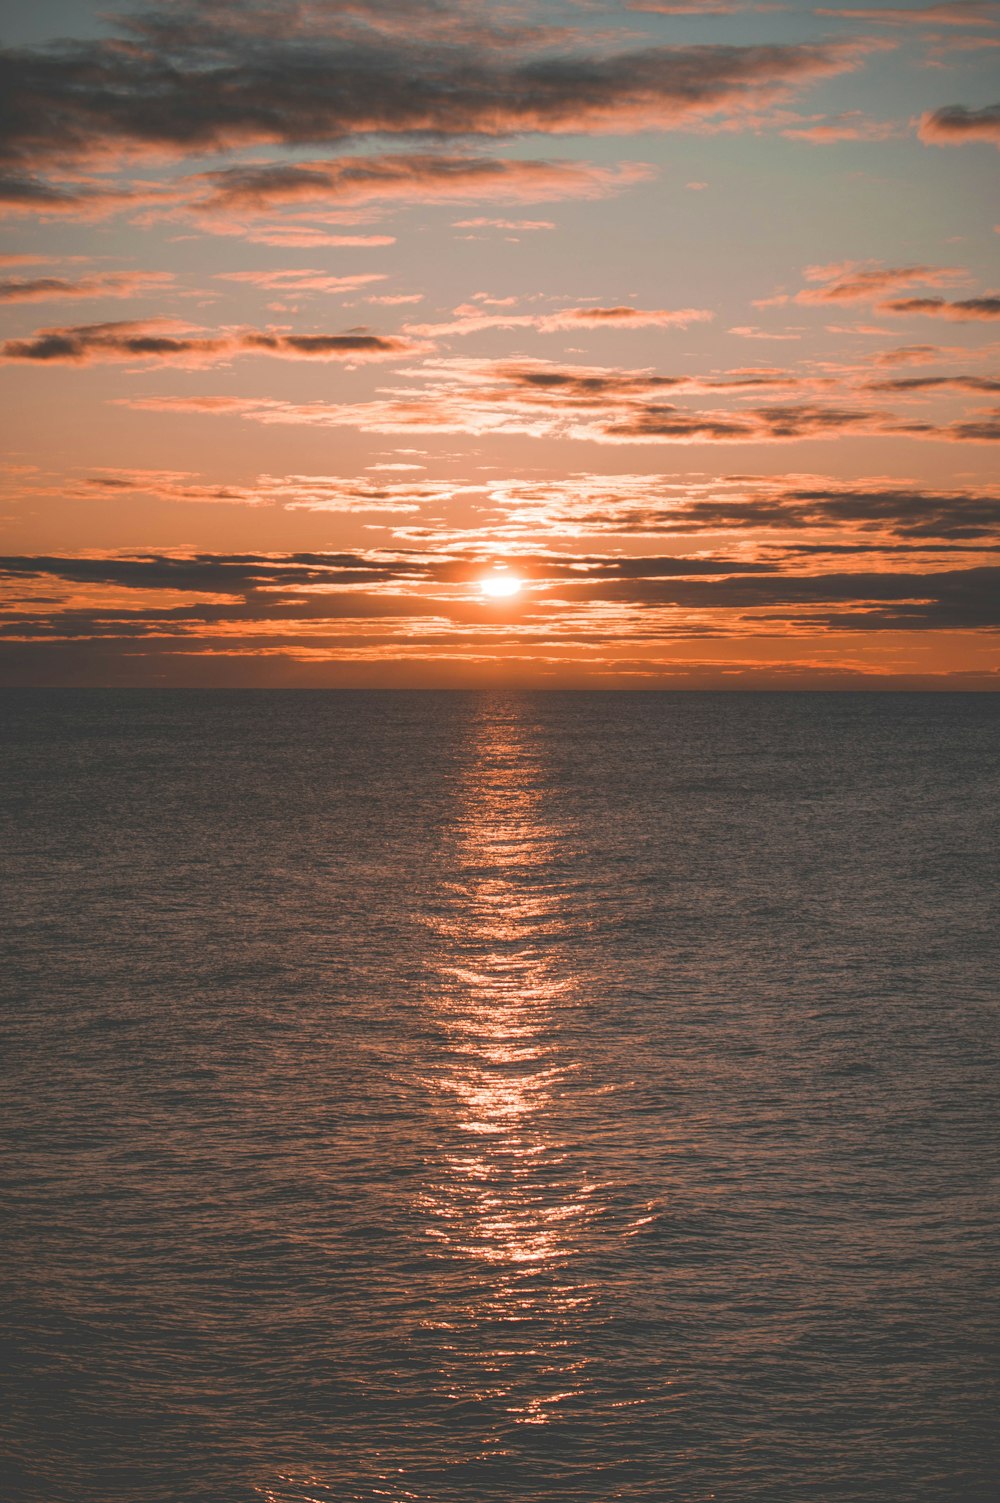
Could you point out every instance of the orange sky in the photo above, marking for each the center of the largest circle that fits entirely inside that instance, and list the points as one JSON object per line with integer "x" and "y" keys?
{"x": 684, "y": 314}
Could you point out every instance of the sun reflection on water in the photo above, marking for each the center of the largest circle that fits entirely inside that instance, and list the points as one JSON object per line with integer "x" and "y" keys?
{"x": 509, "y": 1194}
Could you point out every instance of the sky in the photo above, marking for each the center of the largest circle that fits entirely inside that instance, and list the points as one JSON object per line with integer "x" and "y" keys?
{"x": 439, "y": 343}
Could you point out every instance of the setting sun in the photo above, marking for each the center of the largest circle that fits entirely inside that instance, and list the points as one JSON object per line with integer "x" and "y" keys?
{"x": 501, "y": 585}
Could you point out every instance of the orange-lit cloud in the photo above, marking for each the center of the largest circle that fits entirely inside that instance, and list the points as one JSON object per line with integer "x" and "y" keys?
{"x": 950, "y": 13}
{"x": 962, "y": 310}
{"x": 294, "y": 280}
{"x": 327, "y": 493}
{"x": 861, "y": 282}
{"x": 592, "y": 404}
{"x": 849, "y": 126}
{"x": 956, "y": 125}
{"x": 413, "y": 177}
{"x": 503, "y": 224}
{"x": 303, "y": 597}
{"x": 223, "y": 92}
{"x": 470, "y": 319}
{"x": 878, "y": 512}
{"x": 162, "y": 341}
{"x": 114, "y": 284}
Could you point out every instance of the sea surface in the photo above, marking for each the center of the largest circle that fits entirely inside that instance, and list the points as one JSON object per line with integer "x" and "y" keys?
{"x": 498, "y": 1098}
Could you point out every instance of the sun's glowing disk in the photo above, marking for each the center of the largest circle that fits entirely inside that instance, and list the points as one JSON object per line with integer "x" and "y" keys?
{"x": 501, "y": 585}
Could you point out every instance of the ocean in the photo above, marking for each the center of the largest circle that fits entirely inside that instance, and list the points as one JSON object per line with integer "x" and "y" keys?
{"x": 499, "y": 1098}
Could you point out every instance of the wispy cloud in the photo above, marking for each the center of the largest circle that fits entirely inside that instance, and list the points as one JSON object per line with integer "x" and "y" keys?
{"x": 470, "y": 319}
{"x": 880, "y": 512}
{"x": 329, "y": 493}
{"x": 538, "y": 398}
{"x": 952, "y": 13}
{"x": 963, "y": 310}
{"x": 503, "y": 224}
{"x": 411, "y": 177}
{"x": 112, "y": 284}
{"x": 161, "y": 341}
{"x": 956, "y": 125}
{"x": 850, "y": 125}
{"x": 863, "y": 282}
{"x": 92, "y": 97}
{"x": 294, "y": 280}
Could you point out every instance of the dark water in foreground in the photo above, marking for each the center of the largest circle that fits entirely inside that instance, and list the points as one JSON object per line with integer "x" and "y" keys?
{"x": 442, "y": 1098}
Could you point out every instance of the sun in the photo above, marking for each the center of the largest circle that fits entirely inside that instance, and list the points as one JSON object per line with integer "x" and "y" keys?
{"x": 501, "y": 584}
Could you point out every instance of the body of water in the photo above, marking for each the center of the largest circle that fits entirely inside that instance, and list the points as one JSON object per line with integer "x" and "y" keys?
{"x": 455, "y": 1098}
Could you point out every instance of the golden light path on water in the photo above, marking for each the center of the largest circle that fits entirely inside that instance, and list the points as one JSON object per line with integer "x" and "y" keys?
{"x": 511, "y": 1193}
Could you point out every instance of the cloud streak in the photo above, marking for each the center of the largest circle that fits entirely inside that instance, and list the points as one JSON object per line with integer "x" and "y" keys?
{"x": 160, "y": 341}
{"x": 963, "y": 310}
{"x": 863, "y": 282}
{"x": 951, "y": 13}
{"x": 593, "y": 404}
{"x": 114, "y": 284}
{"x": 397, "y": 177}
{"x": 471, "y": 319}
{"x": 188, "y": 95}
{"x": 854, "y": 282}
{"x": 250, "y": 593}
{"x": 956, "y": 125}
{"x": 879, "y": 512}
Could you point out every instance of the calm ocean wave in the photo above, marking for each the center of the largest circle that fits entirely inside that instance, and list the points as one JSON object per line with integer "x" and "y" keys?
{"x": 454, "y": 1098}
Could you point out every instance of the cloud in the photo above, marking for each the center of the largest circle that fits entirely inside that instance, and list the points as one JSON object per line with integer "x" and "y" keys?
{"x": 958, "y": 599}
{"x": 660, "y": 421}
{"x": 189, "y": 25}
{"x": 295, "y": 280}
{"x": 771, "y": 518}
{"x": 288, "y": 577}
{"x": 307, "y": 237}
{"x": 963, "y": 311}
{"x": 328, "y": 493}
{"x": 983, "y": 428}
{"x": 415, "y": 177}
{"x": 860, "y": 282}
{"x": 115, "y": 284}
{"x": 850, "y": 125}
{"x": 625, "y": 318}
{"x": 911, "y": 354}
{"x": 876, "y": 513}
{"x": 246, "y": 595}
{"x": 22, "y": 193}
{"x": 956, "y": 125}
{"x": 956, "y": 13}
{"x": 750, "y": 331}
{"x": 697, "y": 8}
{"x": 917, "y": 385}
{"x": 472, "y": 320}
{"x": 189, "y": 91}
{"x": 893, "y": 509}
{"x": 503, "y": 224}
{"x": 204, "y": 572}
{"x": 162, "y": 341}
{"x": 593, "y": 404}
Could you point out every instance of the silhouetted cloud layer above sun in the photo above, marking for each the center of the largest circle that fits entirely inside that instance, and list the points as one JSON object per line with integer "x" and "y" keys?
{"x": 385, "y": 342}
